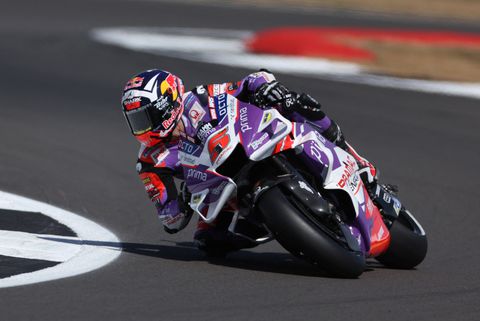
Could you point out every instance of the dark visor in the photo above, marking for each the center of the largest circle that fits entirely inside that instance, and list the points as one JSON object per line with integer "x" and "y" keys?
{"x": 139, "y": 120}
{"x": 144, "y": 118}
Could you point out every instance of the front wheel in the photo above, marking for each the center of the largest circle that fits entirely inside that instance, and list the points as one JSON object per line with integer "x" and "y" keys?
{"x": 304, "y": 238}
{"x": 408, "y": 243}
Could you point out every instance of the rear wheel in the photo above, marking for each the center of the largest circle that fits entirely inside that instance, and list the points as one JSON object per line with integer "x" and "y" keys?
{"x": 303, "y": 237}
{"x": 408, "y": 243}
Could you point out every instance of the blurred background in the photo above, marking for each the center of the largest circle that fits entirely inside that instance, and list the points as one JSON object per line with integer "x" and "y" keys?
{"x": 400, "y": 77}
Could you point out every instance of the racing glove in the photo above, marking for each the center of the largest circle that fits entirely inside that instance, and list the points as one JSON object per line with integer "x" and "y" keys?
{"x": 185, "y": 212}
{"x": 273, "y": 93}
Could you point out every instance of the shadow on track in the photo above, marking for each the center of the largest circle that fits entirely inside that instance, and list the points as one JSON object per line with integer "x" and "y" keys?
{"x": 282, "y": 263}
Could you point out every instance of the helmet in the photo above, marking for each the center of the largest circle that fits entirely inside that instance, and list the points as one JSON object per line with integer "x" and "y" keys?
{"x": 152, "y": 104}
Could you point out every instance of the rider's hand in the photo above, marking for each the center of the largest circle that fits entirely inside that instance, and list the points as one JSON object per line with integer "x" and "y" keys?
{"x": 275, "y": 93}
{"x": 271, "y": 94}
{"x": 177, "y": 222}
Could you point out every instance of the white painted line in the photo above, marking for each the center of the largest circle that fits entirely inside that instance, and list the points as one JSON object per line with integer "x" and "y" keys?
{"x": 95, "y": 246}
{"x": 226, "y": 48}
{"x": 33, "y": 246}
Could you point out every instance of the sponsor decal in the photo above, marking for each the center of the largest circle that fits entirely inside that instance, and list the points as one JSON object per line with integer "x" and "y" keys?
{"x": 244, "y": 126}
{"x": 134, "y": 83}
{"x": 188, "y": 159}
{"x": 151, "y": 191}
{"x": 221, "y": 106}
{"x": 201, "y": 90}
{"x": 167, "y": 123}
{"x": 204, "y": 131}
{"x": 161, "y": 103}
{"x": 196, "y": 114}
{"x": 187, "y": 147}
{"x": 169, "y": 85}
{"x": 132, "y": 103}
{"x": 217, "y": 144}
{"x": 349, "y": 176}
{"x": 397, "y": 206}
{"x": 289, "y": 101}
{"x": 255, "y": 144}
{"x": 232, "y": 87}
{"x": 154, "y": 187}
{"x": 267, "y": 117}
{"x": 160, "y": 156}
{"x": 193, "y": 173}
{"x": 211, "y": 106}
{"x": 316, "y": 151}
{"x": 387, "y": 198}
{"x": 218, "y": 89}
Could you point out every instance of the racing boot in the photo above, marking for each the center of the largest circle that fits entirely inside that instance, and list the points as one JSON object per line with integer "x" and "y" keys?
{"x": 215, "y": 240}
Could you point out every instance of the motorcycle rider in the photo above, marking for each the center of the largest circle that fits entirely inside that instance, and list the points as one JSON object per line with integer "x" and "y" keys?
{"x": 156, "y": 105}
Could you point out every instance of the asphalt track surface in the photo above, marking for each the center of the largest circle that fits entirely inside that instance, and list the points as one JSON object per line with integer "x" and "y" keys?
{"x": 64, "y": 142}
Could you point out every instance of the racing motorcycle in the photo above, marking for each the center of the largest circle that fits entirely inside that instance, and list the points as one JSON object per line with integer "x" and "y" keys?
{"x": 288, "y": 183}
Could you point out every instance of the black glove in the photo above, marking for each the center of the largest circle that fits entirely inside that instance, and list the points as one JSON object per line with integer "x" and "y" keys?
{"x": 275, "y": 93}
{"x": 271, "y": 94}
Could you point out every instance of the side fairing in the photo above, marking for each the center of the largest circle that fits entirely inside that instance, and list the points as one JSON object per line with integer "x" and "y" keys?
{"x": 213, "y": 133}
{"x": 339, "y": 171}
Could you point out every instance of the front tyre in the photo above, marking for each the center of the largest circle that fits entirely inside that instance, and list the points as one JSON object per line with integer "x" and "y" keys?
{"x": 408, "y": 243}
{"x": 302, "y": 237}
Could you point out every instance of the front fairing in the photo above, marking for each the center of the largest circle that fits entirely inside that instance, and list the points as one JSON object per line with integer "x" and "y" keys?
{"x": 257, "y": 131}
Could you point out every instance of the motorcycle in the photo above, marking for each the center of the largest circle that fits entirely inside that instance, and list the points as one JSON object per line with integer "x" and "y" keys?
{"x": 286, "y": 182}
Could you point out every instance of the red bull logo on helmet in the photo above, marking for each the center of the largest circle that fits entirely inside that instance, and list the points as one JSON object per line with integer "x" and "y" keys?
{"x": 135, "y": 82}
{"x": 169, "y": 85}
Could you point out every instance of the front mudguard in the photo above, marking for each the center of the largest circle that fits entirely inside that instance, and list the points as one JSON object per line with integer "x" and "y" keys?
{"x": 300, "y": 190}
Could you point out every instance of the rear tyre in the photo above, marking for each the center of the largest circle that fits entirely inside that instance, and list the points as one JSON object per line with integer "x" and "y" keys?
{"x": 303, "y": 238}
{"x": 408, "y": 243}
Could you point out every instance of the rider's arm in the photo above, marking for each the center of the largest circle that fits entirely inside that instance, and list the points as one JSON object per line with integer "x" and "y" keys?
{"x": 160, "y": 187}
{"x": 248, "y": 86}
{"x": 262, "y": 89}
